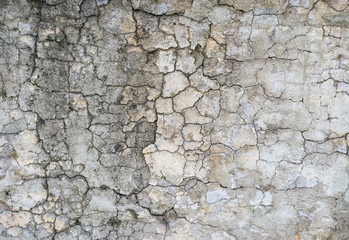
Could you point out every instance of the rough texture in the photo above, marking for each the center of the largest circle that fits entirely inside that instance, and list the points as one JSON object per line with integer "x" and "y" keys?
{"x": 174, "y": 119}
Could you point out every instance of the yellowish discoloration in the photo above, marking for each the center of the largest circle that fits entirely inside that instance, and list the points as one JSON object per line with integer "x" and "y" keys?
{"x": 37, "y": 219}
{"x": 14, "y": 232}
{"x": 12, "y": 219}
{"x": 49, "y": 218}
{"x": 128, "y": 25}
{"x": 48, "y": 227}
{"x": 78, "y": 102}
{"x": 131, "y": 40}
{"x": 59, "y": 225}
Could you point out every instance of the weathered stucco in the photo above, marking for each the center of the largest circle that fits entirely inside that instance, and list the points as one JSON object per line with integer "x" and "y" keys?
{"x": 174, "y": 119}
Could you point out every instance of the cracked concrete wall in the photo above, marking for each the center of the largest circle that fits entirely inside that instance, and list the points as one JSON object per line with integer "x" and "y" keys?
{"x": 174, "y": 119}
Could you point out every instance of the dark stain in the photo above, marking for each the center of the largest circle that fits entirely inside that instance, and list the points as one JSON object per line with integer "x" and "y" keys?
{"x": 114, "y": 221}
{"x": 14, "y": 155}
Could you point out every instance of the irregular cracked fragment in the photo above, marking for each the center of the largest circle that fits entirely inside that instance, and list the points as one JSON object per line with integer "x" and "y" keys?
{"x": 208, "y": 105}
{"x": 166, "y": 61}
{"x": 69, "y": 195}
{"x": 201, "y": 82}
{"x": 174, "y": 83}
{"x": 161, "y": 7}
{"x": 167, "y": 165}
{"x": 188, "y": 61}
{"x": 20, "y": 219}
{"x": 284, "y": 114}
{"x": 219, "y": 166}
{"x": 168, "y": 119}
{"x": 116, "y": 18}
{"x": 186, "y": 99}
{"x": 158, "y": 199}
{"x": 282, "y": 149}
{"x": 25, "y": 196}
{"x": 268, "y": 7}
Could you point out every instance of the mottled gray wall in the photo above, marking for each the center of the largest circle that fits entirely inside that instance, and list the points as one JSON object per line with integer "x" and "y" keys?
{"x": 174, "y": 119}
